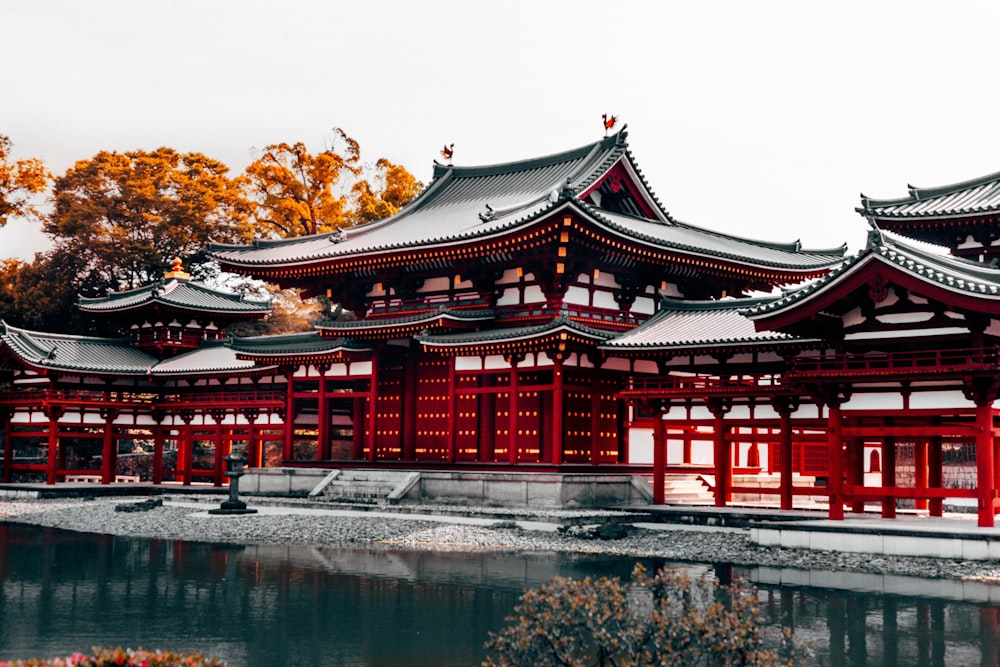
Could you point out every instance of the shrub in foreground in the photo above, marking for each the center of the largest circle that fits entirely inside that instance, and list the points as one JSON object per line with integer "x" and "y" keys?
{"x": 119, "y": 657}
{"x": 669, "y": 619}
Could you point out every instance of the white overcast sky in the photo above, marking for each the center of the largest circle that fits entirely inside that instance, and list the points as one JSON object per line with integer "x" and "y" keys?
{"x": 761, "y": 119}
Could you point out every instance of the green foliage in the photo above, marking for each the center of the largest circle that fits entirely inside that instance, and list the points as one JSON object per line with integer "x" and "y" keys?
{"x": 118, "y": 657}
{"x": 669, "y": 619}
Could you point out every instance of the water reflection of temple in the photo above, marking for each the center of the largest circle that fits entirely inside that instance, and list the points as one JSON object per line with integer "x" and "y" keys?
{"x": 550, "y": 315}
{"x": 260, "y": 606}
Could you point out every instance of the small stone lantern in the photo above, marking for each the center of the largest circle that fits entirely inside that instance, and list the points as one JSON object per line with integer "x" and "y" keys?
{"x": 234, "y": 469}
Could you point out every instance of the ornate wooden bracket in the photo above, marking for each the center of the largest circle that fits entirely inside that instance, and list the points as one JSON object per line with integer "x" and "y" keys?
{"x": 831, "y": 395}
{"x": 981, "y": 390}
{"x": 719, "y": 405}
{"x": 878, "y": 289}
{"x": 785, "y": 405}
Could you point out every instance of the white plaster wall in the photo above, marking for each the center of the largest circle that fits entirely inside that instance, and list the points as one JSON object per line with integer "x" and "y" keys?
{"x": 939, "y": 399}
{"x": 468, "y": 363}
{"x": 616, "y": 364}
{"x": 577, "y": 295}
{"x": 608, "y": 280}
{"x": 646, "y": 367}
{"x": 886, "y": 401}
{"x": 604, "y": 299}
{"x": 509, "y": 297}
{"x": 495, "y": 361}
{"x": 533, "y": 294}
{"x": 361, "y": 368}
{"x": 440, "y": 284}
{"x": 640, "y": 445}
{"x": 644, "y": 306}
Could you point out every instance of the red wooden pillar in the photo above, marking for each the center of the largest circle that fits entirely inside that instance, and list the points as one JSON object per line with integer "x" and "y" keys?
{"x": 410, "y": 390}
{"x": 452, "y": 413}
{"x": 289, "y": 427}
{"x": 935, "y": 476}
{"x": 659, "y": 457}
{"x": 856, "y": 469}
{"x": 185, "y": 448}
{"x": 512, "y": 449}
{"x": 253, "y": 447}
{"x": 109, "y": 463}
{"x": 358, "y": 429}
{"x": 835, "y": 453}
{"x": 920, "y": 471}
{"x": 158, "y": 451}
{"x": 255, "y": 454}
{"x": 218, "y": 465}
{"x": 557, "y": 412}
{"x": 889, "y": 475}
{"x": 373, "y": 409}
{"x": 487, "y": 425}
{"x": 985, "y": 474}
{"x": 722, "y": 451}
{"x": 8, "y": 445}
{"x": 596, "y": 437}
{"x": 323, "y": 416}
{"x": 53, "y": 413}
{"x": 784, "y": 407}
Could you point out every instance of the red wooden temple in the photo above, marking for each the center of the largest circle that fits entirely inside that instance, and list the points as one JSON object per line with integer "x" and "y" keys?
{"x": 549, "y": 314}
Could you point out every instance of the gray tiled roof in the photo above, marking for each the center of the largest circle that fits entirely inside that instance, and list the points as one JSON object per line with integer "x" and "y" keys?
{"x": 305, "y": 343}
{"x": 976, "y": 196}
{"x": 512, "y": 334}
{"x": 178, "y": 294}
{"x": 697, "y": 241}
{"x": 211, "y": 357}
{"x": 370, "y": 324}
{"x": 467, "y": 203}
{"x": 697, "y": 324}
{"x": 76, "y": 353}
{"x": 951, "y": 273}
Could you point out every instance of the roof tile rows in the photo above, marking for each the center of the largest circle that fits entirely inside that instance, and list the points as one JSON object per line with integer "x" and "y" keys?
{"x": 977, "y": 196}
{"x": 468, "y": 203}
{"x": 179, "y": 294}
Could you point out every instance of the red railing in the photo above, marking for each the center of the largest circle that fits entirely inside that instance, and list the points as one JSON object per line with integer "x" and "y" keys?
{"x": 90, "y": 397}
{"x": 702, "y": 384}
{"x": 76, "y": 396}
{"x": 885, "y": 363}
{"x": 221, "y": 397}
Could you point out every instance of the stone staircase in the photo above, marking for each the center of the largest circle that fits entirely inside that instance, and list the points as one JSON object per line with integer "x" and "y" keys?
{"x": 362, "y": 487}
{"x": 687, "y": 489}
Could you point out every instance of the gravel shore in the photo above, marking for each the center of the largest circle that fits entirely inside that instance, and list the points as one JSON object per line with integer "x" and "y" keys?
{"x": 182, "y": 519}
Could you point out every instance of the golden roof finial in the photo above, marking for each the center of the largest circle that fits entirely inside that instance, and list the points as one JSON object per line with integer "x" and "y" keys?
{"x": 177, "y": 271}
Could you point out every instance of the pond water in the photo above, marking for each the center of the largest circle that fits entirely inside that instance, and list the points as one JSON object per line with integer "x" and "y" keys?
{"x": 268, "y": 605}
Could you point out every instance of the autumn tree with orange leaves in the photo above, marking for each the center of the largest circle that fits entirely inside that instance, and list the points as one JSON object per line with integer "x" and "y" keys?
{"x": 297, "y": 193}
{"x": 18, "y": 181}
{"x": 127, "y": 215}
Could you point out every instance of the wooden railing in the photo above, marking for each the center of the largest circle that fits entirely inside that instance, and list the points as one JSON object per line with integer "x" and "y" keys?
{"x": 702, "y": 385}
{"x": 887, "y": 363}
{"x": 115, "y": 398}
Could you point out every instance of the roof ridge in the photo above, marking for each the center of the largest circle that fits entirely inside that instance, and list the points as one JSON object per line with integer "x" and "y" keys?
{"x": 922, "y": 194}
{"x": 531, "y": 163}
{"x": 728, "y": 303}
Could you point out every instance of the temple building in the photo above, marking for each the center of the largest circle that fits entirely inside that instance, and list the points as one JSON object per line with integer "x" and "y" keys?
{"x": 550, "y": 315}
{"x": 170, "y": 395}
{"x": 481, "y": 308}
{"x": 875, "y": 383}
